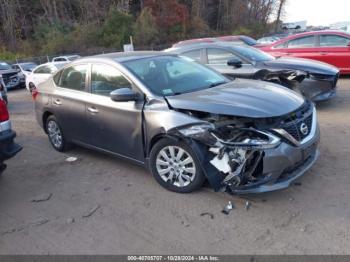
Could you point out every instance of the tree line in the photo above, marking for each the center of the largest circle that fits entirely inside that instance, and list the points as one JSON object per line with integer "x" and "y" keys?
{"x": 40, "y": 27}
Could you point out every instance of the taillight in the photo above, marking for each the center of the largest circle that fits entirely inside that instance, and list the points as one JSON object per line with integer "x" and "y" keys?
{"x": 4, "y": 113}
{"x": 35, "y": 93}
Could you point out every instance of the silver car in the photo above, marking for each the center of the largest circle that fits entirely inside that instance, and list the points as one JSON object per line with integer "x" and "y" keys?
{"x": 182, "y": 120}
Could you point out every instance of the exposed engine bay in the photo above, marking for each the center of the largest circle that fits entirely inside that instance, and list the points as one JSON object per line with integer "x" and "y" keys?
{"x": 235, "y": 145}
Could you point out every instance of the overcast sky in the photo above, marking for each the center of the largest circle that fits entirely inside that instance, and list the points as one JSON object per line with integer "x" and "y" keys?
{"x": 318, "y": 12}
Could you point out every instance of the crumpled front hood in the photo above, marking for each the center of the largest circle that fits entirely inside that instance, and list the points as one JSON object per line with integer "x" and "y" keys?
{"x": 307, "y": 65}
{"x": 241, "y": 97}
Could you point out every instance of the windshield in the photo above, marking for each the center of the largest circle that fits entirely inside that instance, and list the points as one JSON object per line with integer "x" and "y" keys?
{"x": 72, "y": 58}
{"x": 4, "y": 66}
{"x": 249, "y": 40}
{"x": 171, "y": 75}
{"x": 60, "y": 65}
{"x": 28, "y": 66}
{"x": 253, "y": 54}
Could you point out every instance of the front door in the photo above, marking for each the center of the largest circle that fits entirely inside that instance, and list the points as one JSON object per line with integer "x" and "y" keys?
{"x": 114, "y": 126}
{"x": 218, "y": 58}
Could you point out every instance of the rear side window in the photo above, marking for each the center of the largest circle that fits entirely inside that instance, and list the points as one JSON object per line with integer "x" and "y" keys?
{"x": 43, "y": 70}
{"x": 74, "y": 77}
{"x": 333, "y": 40}
{"x": 307, "y": 41}
{"x": 219, "y": 56}
{"x": 106, "y": 78}
{"x": 194, "y": 54}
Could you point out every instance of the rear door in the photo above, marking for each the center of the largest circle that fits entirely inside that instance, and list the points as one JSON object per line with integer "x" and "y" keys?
{"x": 335, "y": 50}
{"x": 69, "y": 101}
{"x": 114, "y": 126}
{"x": 303, "y": 47}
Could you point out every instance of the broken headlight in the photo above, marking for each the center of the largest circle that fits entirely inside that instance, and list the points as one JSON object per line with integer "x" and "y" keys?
{"x": 194, "y": 130}
{"x": 248, "y": 138}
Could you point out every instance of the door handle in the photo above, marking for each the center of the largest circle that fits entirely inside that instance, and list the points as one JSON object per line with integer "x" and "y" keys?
{"x": 57, "y": 102}
{"x": 92, "y": 110}
{"x": 323, "y": 53}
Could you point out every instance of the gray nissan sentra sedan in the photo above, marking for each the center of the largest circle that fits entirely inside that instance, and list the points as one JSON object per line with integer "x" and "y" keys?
{"x": 185, "y": 122}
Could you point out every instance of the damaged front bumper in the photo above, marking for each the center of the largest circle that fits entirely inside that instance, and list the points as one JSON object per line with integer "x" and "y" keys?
{"x": 282, "y": 166}
{"x": 245, "y": 160}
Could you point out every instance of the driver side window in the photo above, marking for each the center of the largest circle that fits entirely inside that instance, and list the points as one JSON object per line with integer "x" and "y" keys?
{"x": 219, "y": 56}
{"x": 105, "y": 79}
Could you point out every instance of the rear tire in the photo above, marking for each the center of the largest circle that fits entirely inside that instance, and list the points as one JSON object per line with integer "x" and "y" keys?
{"x": 56, "y": 136}
{"x": 175, "y": 166}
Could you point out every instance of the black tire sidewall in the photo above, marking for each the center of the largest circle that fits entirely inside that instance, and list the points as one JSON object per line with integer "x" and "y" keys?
{"x": 199, "y": 179}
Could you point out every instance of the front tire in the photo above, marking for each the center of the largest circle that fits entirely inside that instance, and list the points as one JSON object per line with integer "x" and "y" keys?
{"x": 55, "y": 134}
{"x": 175, "y": 166}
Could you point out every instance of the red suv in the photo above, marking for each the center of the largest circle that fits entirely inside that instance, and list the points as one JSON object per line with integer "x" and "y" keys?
{"x": 332, "y": 47}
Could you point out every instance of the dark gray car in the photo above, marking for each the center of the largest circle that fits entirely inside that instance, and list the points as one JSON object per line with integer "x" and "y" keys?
{"x": 184, "y": 121}
{"x": 320, "y": 82}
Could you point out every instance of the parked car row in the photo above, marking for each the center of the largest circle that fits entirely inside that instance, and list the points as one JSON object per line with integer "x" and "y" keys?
{"x": 247, "y": 62}
{"x": 328, "y": 46}
{"x": 15, "y": 75}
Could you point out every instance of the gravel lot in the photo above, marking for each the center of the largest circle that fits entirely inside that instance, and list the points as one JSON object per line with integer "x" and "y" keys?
{"x": 103, "y": 205}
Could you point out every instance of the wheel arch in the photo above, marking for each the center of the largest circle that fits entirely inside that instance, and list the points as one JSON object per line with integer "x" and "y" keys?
{"x": 46, "y": 115}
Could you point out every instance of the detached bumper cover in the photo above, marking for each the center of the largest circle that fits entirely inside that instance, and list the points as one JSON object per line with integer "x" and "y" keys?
{"x": 283, "y": 165}
{"x": 8, "y": 148}
{"x": 282, "y": 182}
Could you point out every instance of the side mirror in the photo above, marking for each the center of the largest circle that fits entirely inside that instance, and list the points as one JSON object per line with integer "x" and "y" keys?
{"x": 349, "y": 44}
{"x": 235, "y": 62}
{"x": 123, "y": 95}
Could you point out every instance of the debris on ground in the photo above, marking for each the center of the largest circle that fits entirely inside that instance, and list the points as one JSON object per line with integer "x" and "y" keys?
{"x": 70, "y": 220}
{"x": 41, "y": 198}
{"x": 36, "y": 223}
{"x": 264, "y": 200}
{"x": 247, "y": 205}
{"x": 39, "y": 222}
{"x": 207, "y": 214}
{"x": 71, "y": 159}
{"x": 297, "y": 183}
{"x": 91, "y": 211}
{"x": 228, "y": 208}
{"x": 129, "y": 184}
{"x": 107, "y": 189}
{"x": 291, "y": 199}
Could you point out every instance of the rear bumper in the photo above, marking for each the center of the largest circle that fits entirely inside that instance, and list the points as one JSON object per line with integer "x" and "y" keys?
{"x": 8, "y": 148}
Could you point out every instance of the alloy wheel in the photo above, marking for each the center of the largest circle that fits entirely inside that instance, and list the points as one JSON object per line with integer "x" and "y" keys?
{"x": 54, "y": 133}
{"x": 176, "y": 166}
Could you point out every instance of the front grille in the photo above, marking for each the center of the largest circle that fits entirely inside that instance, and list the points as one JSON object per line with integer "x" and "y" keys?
{"x": 299, "y": 124}
{"x": 10, "y": 79}
{"x": 294, "y": 128}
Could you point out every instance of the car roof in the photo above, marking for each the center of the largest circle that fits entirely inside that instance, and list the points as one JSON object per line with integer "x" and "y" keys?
{"x": 123, "y": 56}
{"x": 310, "y": 33}
{"x": 219, "y": 44}
{"x": 53, "y": 63}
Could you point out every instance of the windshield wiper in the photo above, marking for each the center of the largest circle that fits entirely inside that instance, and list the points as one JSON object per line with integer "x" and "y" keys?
{"x": 217, "y": 84}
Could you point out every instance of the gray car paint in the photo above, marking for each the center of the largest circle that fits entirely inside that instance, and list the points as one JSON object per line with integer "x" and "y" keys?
{"x": 130, "y": 129}
{"x": 319, "y": 87}
{"x": 241, "y": 97}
